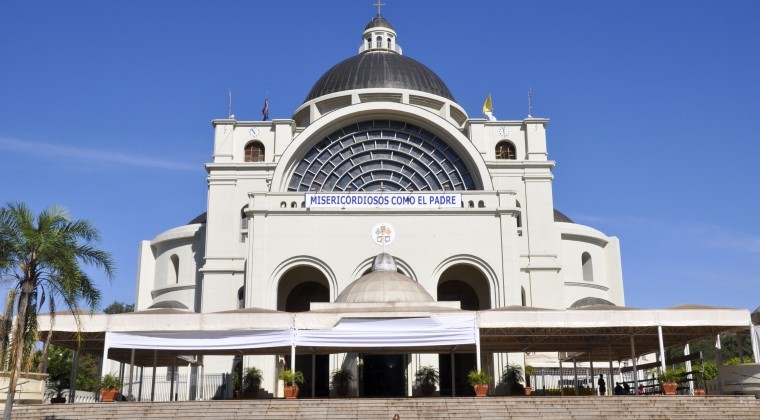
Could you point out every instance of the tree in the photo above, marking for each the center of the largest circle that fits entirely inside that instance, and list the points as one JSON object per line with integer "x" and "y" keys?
{"x": 42, "y": 258}
{"x": 119, "y": 308}
{"x": 60, "y": 363}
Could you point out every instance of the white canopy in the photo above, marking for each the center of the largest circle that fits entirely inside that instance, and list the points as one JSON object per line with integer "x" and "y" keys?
{"x": 199, "y": 340}
{"x": 393, "y": 332}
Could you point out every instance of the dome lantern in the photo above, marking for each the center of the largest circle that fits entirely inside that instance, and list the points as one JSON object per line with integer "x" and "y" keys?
{"x": 379, "y": 35}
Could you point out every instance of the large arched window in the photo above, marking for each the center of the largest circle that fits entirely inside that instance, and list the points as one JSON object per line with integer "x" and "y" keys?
{"x": 588, "y": 269}
{"x": 254, "y": 152}
{"x": 505, "y": 150}
{"x": 381, "y": 155}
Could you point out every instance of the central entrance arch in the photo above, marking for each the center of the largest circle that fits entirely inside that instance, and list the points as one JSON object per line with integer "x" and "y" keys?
{"x": 468, "y": 285}
{"x": 297, "y": 289}
{"x": 384, "y": 375}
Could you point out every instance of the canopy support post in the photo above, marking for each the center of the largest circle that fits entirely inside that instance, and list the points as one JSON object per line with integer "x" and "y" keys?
{"x": 139, "y": 389}
{"x": 687, "y": 365}
{"x": 313, "y": 374}
{"x": 635, "y": 368}
{"x": 575, "y": 375}
{"x": 591, "y": 362}
{"x": 477, "y": 345}
{"x": 662, "y": 349}
{"x": 171, "y": 383}
{"x": 561, "y": 378}
{"x": 293, "y": 357}
{"x": 131, "y": 373}
{"x": 103, "y": 362}
{"x": 202, "y": 385}
{"x": 611, "y": 376}
{"x": 453, "y": 375}
{"x": 153, "y": 379}
{"x": 73, "y": 377}
{"x": 187, "y": 382}
{"x": 739, "y": 346}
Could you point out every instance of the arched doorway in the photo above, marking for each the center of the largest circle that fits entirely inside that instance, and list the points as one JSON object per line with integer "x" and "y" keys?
{"x": 297, "y": 288}
{"x": 468, "y": 285}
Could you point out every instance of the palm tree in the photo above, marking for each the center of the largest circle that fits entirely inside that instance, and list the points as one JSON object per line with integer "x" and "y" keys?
{"x": 42, "y": 259}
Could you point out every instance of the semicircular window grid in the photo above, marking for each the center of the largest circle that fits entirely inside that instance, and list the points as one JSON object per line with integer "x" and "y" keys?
{"x": 381, "y": 155}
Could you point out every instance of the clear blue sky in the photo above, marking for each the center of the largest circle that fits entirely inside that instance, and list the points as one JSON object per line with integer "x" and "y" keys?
{"x": 105, "y": 108}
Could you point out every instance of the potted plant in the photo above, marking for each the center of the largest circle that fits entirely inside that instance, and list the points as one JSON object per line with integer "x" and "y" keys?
{"x": 479, "y": 381}
{"x": 250, "y": 385}
{"x": 340, "y": 379}
{"x": 59, "y": 386}
{"x": 426, "y": 379}
{"x": 528, "y": 374}
{"x": 669, "y": 380}
{"x": 109, "y": 388}
{"x": 512, "y": 376}
{"x": 699, "y": 385}
{"x": 291, "y": 379}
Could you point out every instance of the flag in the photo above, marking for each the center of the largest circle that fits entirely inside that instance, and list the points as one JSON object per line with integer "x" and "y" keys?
{"x": 265, "y": 110}
{"x": 488, "y": 108}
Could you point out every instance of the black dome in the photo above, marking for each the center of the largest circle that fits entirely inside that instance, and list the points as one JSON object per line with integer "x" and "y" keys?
{"x": 379, "y": 70}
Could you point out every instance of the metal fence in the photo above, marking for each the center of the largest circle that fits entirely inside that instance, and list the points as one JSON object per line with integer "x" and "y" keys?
{"x": 214, "y": 386}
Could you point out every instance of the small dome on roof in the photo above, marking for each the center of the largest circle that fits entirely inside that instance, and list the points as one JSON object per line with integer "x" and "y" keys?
{"x": 378, "y": 22}
{"x": 384, "y": 285}
{"x": 591, "y": 301}
{"x": 168, "y": 304}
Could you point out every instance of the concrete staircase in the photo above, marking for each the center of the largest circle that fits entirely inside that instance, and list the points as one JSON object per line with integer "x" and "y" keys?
{"x": 628, "y": 407}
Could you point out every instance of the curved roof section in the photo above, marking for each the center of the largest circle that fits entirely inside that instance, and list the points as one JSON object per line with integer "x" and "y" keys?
{"x": 201, "y": 218}
{"x": 378, "y": 22}
{"x": 560, "y": 217}
{"x": 378, "y": 69}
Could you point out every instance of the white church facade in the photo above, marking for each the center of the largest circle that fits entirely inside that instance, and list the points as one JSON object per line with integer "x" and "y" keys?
{"x": 378, "y": 158}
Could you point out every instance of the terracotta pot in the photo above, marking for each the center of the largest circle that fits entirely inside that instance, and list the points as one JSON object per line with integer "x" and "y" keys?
{"x": 669, "y": 388}
{"x": 108, "y": 395}
{"x": 291, "y": 392}
{"x": 699, "y": 392}
{"x": 528, "y": 390}
{"x": 341, "y": 390}
{"x": 480, "y": 390}
{"x": 427, "y": 390}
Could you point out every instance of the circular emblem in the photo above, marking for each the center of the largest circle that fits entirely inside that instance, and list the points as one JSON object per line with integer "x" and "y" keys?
{"x": 254, "y": 132}
{"x": 504, "y": 131}
{"x": 383, "y": 234}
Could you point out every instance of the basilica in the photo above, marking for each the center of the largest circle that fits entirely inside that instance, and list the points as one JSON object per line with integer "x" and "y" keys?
{"x": 379, "y": 159}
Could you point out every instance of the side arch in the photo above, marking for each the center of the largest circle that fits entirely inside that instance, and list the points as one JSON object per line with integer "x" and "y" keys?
{"x": 299, "y": 261}
{"x": 477, "y": 263}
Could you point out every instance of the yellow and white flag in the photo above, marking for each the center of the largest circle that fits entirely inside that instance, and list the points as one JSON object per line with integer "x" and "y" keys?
{"x": 488, "y": 108}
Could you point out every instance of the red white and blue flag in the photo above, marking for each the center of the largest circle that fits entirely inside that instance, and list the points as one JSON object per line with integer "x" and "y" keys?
{"x": 265, "y": 110}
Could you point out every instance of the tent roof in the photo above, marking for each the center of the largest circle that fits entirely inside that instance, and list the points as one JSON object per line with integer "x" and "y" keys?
{"x": 511, "y": 329}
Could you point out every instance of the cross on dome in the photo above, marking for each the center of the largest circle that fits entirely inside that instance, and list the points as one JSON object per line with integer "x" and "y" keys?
{"x": 379, "y": 5}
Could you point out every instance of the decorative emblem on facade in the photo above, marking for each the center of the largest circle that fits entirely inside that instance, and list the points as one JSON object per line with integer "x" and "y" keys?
{"x": 504, "y": 131}
{"x": 383, "y": 234}
{"x": 254, "y": 132}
